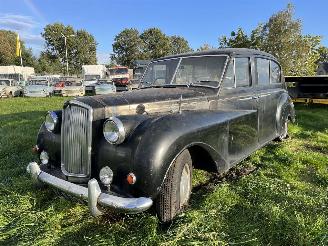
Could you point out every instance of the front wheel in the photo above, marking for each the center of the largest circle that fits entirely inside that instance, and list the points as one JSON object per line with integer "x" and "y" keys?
{"x": 176, "y": 189}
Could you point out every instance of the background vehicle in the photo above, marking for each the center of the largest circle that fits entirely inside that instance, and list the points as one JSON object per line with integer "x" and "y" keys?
{"x": 104, "y": 87}
{"x": 73, "y": 88}
{"x": 10, "y": 88}
{"x": 207, "y": 110}
{"x": 91, "y": 74}
{"x": 120, "y": 76}
{"x": 58, "y": 87}
{"x": 38, "y": 88}
{"x": 17, "y": 73}
{"x": 139, "y": 67}
{"x": 310, "y": 89}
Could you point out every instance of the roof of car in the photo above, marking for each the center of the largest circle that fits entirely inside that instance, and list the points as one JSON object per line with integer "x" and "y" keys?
{"x": 223, "y": 51}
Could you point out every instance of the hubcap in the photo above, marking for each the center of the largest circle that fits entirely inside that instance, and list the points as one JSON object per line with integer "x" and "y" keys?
{"x": 285, "y": 129}
{"x": 185, "y": 186}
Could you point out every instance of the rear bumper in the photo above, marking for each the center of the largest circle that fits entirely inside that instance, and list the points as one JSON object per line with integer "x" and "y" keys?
{"x": 92, "y": 193}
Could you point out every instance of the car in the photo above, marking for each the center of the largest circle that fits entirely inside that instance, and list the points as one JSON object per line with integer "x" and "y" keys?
{"x": 73, "y": 88}
{"x": 38, "y": 88}
{"x": 10, "y": 88}
{"x": 205, "y": 110}
{"x": 104, "y": 87}
{"x": 58, "y": 87}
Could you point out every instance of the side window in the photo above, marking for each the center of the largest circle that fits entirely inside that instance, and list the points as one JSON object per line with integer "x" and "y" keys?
{"x": 263, "y": 72}
{"x": 242, "y": 71}
{"x": 229, "y": 80}
{"x": 275, "y": 73}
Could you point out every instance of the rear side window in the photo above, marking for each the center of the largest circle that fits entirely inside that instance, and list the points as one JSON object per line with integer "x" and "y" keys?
{"x": 242, "y": 72}
{"x": 275, "y": 73}
{"x": 263, "y": 71}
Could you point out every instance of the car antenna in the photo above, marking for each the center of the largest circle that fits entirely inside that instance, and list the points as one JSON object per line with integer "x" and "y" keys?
{"x": 180, "y": 102}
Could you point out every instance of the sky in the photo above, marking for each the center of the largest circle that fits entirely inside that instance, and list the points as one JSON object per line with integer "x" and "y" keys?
{"x": 198, "y": 21}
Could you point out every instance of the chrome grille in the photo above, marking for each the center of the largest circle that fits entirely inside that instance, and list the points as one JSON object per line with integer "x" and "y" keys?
{"x": 76, "y": 140}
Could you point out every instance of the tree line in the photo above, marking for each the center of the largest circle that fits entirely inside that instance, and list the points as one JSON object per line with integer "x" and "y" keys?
{"x": 280, "y": 36}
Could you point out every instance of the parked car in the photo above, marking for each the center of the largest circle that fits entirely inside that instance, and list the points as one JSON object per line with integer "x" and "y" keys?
{"x": 10, "y": 88}
{"x": 104, "y": 87}
{"x": 205, "y": 110}
{"x": 73, "y": 88}
{"x": 58, "y": 87}
{"x": 38, "y": 88}
{"x": 121, "y": 77}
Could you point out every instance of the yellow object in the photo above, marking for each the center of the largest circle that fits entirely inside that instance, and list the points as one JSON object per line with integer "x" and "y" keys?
{"x": 18, "y": 46}
{"x": 311, "y": 100}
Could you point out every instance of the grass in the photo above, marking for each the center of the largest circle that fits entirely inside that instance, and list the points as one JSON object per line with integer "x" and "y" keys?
{"x": 277, "y": 196}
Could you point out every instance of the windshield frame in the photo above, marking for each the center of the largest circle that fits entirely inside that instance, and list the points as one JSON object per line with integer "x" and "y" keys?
{"x": 176, "y": 69}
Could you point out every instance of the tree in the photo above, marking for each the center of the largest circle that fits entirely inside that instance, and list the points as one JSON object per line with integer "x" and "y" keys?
{"x": 323, "y": 54}
{"x": 127, "y": 47}
{"x": 282, "y": 37}
{"x": 204, "y": 47}
{"x": 156, "y": 43}
{"x": 48, "y": 64}
{"x": 8, "y": 50}
{"x": 179, "y": 45}
{"x": 81, "y": 46}
{"x": 238, "y": 39}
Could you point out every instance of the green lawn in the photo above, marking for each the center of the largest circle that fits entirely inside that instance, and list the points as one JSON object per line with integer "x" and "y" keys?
{"x": 278, "y": 196}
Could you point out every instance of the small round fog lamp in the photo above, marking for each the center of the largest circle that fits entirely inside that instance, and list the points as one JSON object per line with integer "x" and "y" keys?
{"x": 44, "y": 157}
{"x": 106, "y": 176}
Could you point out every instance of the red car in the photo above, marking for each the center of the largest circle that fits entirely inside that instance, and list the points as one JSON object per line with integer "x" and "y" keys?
{"x": 59, "y": 87}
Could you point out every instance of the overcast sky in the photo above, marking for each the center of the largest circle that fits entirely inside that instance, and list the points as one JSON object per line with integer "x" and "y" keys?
{"x": 198, "y": 21}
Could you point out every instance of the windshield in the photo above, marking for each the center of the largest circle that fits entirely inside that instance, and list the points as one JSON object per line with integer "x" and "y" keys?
{"x": 91, "y": 77}
{"x": 4, "y": 82}
{"x": 38, "y": 82}
{"x": 205, "y": 70}
{"x": 73, "y": 83}
{"x": 103, "y": 82}
{"x": 116, "y": 71}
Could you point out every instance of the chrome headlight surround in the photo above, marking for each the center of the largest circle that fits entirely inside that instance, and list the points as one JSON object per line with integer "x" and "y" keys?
{"x": 51, "y": 121}
{"x": 114, "y": 131}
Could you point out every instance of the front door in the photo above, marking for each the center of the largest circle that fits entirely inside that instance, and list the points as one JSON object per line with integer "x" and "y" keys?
{"x": 237, "y": 93}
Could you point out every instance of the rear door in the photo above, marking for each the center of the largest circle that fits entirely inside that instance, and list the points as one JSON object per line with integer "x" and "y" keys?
{"x": 268, "y": 89}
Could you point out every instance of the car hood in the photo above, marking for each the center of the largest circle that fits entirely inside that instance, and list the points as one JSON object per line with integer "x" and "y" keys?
{"x": 36, "y": 87}
{"x": 104, "y": 86}
{"x": 153, "y": 100}
{"x": 72, "y": 88}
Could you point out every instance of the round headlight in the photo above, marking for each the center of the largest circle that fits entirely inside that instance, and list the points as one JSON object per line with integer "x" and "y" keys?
{"x": 51, "y": 121}
{"x": 114, "y": 131}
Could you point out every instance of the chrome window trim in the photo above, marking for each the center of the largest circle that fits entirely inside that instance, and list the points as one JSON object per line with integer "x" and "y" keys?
{"x": 74, "y": 102}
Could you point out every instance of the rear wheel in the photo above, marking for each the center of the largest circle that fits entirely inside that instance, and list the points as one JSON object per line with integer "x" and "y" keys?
{"x": 284, "y": 130}
{"x": 176, "y": 189}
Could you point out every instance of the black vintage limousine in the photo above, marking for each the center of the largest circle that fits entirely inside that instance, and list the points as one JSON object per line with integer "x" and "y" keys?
{"x": 132, "y": 150}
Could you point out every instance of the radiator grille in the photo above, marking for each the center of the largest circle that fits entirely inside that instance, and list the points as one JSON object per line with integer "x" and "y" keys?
{"x": 76, "y": 141}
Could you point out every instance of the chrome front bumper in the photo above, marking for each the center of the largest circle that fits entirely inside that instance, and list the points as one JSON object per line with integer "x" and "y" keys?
{"x": 92, "y": 193}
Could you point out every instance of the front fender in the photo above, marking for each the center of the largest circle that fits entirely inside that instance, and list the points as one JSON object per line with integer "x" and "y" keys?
{"x": 162, "y": 140}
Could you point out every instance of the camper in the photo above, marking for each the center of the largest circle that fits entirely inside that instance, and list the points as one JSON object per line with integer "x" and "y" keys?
{"x": 91, "y": 74}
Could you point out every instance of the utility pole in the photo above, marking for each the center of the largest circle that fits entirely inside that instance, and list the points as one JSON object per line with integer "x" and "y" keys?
{"x": 65, "y": 42}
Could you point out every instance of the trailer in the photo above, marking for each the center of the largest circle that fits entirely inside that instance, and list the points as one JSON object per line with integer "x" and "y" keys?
{"x": 309, "y": 89}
